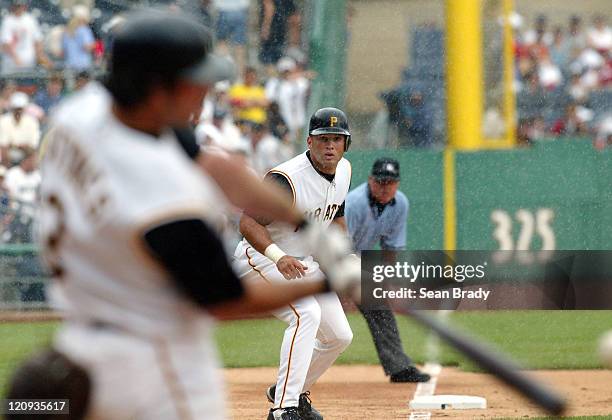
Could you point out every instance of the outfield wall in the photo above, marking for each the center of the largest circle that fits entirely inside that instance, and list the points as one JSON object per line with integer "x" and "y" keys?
{"x": 555, "y": 195}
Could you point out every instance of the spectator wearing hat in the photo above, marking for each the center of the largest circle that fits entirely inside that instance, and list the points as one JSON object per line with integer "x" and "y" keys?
{"x": 18, "y": 129}
{"x": 376, "y": 214}
{"x": 290, "y": 92}
{"x": 78, "y": 41}
{"x": 283, "y": 68}
{"x": 21, "y": 40}
{"x": 217, "y": 98}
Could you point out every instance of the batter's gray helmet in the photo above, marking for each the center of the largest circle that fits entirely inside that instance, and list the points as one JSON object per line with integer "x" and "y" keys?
{"x": 152, "y": 48}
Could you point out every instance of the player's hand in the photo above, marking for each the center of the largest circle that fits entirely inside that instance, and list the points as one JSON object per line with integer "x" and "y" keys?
{"x": 345, "y": 278}
{"x": 291, "y": 267}
{"x": 327, "y": 244}
{"x": 331, "y": 248}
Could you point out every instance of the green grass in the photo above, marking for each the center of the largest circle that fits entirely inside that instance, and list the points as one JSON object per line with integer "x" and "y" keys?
{"x": 17, "y": 340}
{"x": 542, "y": 339}
{"x": 537, "y": 339}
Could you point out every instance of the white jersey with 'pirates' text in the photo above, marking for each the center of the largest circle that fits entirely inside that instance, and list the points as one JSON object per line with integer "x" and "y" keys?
{"x": 319, "y": 199}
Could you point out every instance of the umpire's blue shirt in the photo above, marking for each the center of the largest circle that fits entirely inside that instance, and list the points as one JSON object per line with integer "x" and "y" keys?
{"x": 368, "y": 226}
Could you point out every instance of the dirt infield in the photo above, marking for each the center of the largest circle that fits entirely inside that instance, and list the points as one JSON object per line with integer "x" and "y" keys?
{"x": 363, "y": 392}
{"x": 29, "y": 316}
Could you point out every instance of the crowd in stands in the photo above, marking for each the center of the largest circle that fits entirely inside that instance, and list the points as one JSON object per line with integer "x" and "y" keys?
{"x": 564, "y": 78}
{"x": 417, "y": 107}
{"x": 261, "y": 123}
{"x": 563, "y": 84}
{"x": 19, "y": 176}
{"x": 51, "y": 48}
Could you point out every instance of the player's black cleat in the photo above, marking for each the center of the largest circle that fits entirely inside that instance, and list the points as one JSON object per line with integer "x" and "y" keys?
{"x": 270, "y": 393}
{"x": 411, "y": 374}
{"x": 307, "y": 411}
{"x": 305, "y": 408}
{"x": 289, "y": 413}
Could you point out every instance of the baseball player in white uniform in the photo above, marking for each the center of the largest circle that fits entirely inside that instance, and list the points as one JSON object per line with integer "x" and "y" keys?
{"x": 317, "y": 330}
{"x": 128, "y": 230}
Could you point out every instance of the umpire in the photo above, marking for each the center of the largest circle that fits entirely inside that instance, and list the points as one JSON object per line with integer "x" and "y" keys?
{"x": 376, "y": 212}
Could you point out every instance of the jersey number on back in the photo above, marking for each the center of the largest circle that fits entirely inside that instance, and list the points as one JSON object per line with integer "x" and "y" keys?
{"x": 52, "y": 239}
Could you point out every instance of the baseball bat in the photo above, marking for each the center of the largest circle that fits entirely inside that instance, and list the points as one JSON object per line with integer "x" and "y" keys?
{"x": 493, "y": 362}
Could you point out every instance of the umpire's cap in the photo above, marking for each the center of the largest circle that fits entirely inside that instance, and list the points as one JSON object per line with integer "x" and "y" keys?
{"x": 386, "y": 169}
{"x": 330, "y": 121}
{"x": 152, "y": 47}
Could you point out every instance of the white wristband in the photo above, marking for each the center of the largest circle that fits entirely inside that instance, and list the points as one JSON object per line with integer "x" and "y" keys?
{"x": 274, "y": 253}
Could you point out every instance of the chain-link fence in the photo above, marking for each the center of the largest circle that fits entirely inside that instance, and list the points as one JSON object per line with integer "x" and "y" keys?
{"x": 22, "y": 278}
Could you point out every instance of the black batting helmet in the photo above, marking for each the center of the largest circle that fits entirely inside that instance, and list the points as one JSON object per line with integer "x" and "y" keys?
{"x": 151, "y": 47}
{"x": 330, "y": 121}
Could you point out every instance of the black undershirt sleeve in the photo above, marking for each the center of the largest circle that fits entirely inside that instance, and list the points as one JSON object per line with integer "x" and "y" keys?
{"x": 187, "y": 140}
{"x": 194, "y": 256}
{"x": 340, "y": 212}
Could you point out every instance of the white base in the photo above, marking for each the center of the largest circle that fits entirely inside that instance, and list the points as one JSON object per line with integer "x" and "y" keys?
{"x": 441, "y": 402}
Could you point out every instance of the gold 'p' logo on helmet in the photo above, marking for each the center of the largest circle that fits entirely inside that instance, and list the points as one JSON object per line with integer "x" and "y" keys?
{"x": 333, "y": 121}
